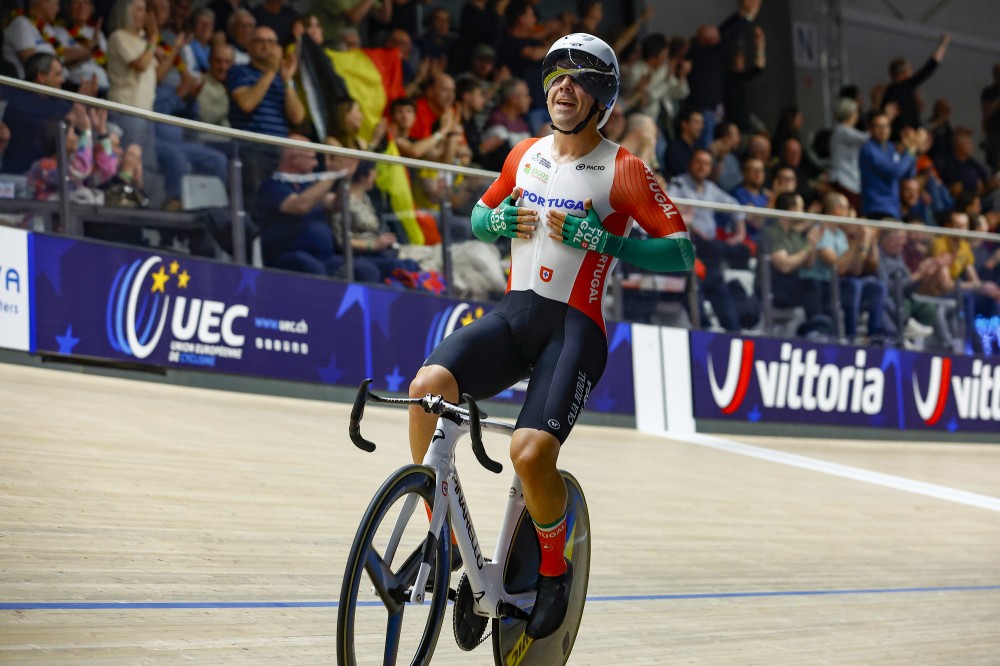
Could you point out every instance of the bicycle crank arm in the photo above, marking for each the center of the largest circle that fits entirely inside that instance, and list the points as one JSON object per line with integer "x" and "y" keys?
{"x": 507, "y": 609}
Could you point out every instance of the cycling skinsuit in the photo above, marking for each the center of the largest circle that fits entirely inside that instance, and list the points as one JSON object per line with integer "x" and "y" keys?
{"x": 550, "y": 324}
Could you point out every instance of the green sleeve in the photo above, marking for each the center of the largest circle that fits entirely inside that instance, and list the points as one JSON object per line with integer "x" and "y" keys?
{"x": 480, "y": 215}
{"x": 655, "y": 254}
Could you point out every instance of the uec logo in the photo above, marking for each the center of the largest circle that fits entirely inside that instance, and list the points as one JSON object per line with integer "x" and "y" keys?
{"x": 136, "y": 316}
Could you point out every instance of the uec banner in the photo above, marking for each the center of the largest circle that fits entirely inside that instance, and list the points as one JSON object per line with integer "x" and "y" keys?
{"x": 15, "y": 289}
{"x": 792, "y": 381}
{"x": 123, "y": 304}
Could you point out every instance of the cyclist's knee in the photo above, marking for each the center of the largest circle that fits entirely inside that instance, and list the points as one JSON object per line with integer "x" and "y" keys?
{"x": 436, "y": 380}
{"x": 533, "y": 451}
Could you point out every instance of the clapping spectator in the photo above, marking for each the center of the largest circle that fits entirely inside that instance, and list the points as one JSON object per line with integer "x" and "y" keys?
{"x": 738, "y": 75}
{"x": 883, "y": 166}
{"x": 650, "y": 86}
{"x": 437, "y": 100}
{"x": 262, "y": 93}
{"x": 86, "y": 163}
{"x": 84, "y": 47}
{"x": 790, "y": 251}
{"x": 213, "y": 99}
{"x": 845, "y": 147}
{"x": 916, "y": 317}
{"x": 27, "y": 113}
{"x": 913, "y": 205}
{"x": 32, "y": 31}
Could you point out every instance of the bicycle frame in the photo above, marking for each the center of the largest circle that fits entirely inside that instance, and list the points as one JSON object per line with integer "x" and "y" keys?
{"x": 485, "y": 575}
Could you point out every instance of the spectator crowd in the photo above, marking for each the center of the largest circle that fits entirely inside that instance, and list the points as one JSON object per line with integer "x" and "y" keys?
{"x": 468, "y": 92}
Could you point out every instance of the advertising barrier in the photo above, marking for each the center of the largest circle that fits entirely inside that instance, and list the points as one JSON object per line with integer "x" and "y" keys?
{"x": 128, "y": 305}
{"x": 794, "y": 381}
{"x": 15, "y": 289}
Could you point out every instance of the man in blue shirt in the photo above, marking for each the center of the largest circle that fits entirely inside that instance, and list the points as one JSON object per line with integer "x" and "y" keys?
{"x": 263, "y": 93}
{"x": 883, "y": 166}
{"x": 294, "y": 207}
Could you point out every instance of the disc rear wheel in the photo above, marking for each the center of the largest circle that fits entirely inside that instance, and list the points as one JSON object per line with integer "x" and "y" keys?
{"x": 510, "y": 644}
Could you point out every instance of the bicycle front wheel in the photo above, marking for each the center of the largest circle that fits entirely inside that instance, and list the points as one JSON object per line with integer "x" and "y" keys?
{"x": 375, "y": 594}
{"x": 510, "y": 644}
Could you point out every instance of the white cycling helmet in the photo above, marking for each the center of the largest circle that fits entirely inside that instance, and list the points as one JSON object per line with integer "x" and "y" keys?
{"x": 592, "y": 63}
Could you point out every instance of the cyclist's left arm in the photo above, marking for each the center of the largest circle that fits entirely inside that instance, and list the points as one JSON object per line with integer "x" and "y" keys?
{"x": 636, "y": 193}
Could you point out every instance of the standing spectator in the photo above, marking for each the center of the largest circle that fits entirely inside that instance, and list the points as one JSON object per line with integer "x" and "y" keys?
{"x": 940, "y": 129}
{"x": 680, "y": 150}
{"x": 650, "y": 86}
{"x": 990, "y": 102}
{"x": 709, "y": 50}
{"x": 902, "y": 89}
{"x": 507, "y": 126}
{"x": 223, "y": 10}
{"x": 437, "y": 39}
{"x": 132, "y": 71}
{"x": 84, "y": 47}
{"x": 476, "y": 21}
{"x": 277, "y": 16}
{"x": 882, "y": 166}
{"x": 295, "y": 219}
{"x": 521, "y": 52}
{"x": 960, "y": 170}
{"x": 197, "y": 51}
{"x": 716, "y": 254}
{"x": 31, "y": 32}
{"x": 738, "y": 75}
{"x": 262, "y": 93}
{"x": 845, "y": 146}
{"x": 213, "y": 100}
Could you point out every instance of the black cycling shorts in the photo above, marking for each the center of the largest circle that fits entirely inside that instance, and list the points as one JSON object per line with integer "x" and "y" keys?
{"x": 563, "y": 350}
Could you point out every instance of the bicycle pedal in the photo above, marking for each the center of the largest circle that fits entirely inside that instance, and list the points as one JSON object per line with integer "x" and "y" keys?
{"x": 469, "y": 627}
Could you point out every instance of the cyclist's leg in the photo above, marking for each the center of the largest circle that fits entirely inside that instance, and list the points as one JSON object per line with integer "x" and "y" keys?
{"x": 480, "y": 359}
{"x": 565, "y": 372}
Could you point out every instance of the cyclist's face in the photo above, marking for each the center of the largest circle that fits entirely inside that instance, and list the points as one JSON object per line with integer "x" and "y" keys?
{"x": 568, "y": 102}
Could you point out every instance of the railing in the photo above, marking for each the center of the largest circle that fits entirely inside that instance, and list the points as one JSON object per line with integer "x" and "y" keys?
{"x": 72, "y": 215}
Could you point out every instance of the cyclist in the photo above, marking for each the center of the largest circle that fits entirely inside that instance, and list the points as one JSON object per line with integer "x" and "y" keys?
{"x": 588, "y": 191}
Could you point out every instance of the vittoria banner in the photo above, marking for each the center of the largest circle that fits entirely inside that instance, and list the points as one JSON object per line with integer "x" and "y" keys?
{"x": 793, "y": 381}
{"x": 124, "y": 304}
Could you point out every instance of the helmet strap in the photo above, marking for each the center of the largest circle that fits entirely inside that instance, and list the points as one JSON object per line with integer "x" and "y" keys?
{"x": 583, "y": 123}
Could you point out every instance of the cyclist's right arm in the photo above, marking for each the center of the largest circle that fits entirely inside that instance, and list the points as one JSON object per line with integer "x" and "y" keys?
{"x": 495, "y": 214}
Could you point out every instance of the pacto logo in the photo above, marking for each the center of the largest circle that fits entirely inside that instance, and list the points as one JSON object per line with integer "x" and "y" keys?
{"x": 137, "y": 314}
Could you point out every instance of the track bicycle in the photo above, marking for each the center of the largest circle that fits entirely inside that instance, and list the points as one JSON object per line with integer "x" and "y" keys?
{"x": 378, "y": 594}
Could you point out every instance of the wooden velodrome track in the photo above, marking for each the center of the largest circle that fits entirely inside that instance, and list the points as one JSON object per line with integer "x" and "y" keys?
{"x": 149, "y": 523}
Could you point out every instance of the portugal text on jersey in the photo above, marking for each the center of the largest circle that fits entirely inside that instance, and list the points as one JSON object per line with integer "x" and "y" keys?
{"x": 623, "y": 191}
